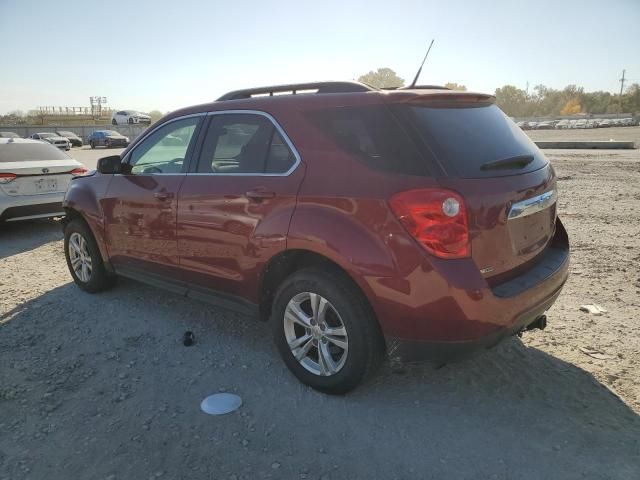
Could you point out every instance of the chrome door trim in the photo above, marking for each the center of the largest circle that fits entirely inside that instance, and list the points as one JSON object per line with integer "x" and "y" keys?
{"x": 532, "y": 205}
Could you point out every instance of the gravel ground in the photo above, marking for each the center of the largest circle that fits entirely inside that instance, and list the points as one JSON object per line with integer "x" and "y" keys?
{"x": 100, "y": 386}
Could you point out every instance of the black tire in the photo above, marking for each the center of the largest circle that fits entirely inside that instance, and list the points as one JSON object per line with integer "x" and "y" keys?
{"x": 100, "y": 279}
{"x": 113, "y": 122}
{"x": 107, "y": 144}
{"x": 365, "y": 342}
{"x": 131, "y": 121}
{"x": 93, "y": 145}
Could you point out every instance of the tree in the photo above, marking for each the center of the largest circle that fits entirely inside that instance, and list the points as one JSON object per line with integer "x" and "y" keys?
{"x": 455, "y": 86}
{"x": 155, "y": 115}
{"x": 571, "y": 107}
{"x": 512, "y": 100}
{"x": 382, "y": 78}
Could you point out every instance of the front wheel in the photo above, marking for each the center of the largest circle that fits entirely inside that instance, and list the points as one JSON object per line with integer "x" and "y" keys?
{"x": 84, "y": 259}
{"x": 113, "y": 122}
{"x": 92, "y": 144}
{"x": 325, "y": 331}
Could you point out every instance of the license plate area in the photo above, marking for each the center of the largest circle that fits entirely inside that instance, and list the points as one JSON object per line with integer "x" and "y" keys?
{"x": 46, "y": 185}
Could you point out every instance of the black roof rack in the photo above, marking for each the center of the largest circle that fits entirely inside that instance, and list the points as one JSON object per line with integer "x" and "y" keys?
{"x": 319, "y": 87}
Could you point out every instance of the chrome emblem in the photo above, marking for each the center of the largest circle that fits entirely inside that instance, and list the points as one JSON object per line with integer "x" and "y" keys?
{"x": 45, "y": 170}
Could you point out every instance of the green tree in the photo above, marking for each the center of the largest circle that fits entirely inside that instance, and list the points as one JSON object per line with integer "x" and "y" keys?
{"x": 382, "y": 78}
{"x": 455, "y": 86}
{"x": 512, "y": 100}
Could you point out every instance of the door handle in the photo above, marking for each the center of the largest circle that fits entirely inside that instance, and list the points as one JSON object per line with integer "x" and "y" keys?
{"x": 163, "y": 195}
{"x": 259, "y": 194}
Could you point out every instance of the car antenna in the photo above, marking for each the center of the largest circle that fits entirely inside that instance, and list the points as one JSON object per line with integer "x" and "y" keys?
{"x": 415, "y": 80}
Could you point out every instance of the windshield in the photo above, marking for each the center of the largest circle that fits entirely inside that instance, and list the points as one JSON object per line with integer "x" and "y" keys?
{"x": 30, "y": 152}
{"x": 47, "y": 135}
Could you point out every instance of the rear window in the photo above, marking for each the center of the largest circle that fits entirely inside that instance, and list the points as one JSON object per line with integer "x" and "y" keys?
{"x": 373, "y": 134}
{"x": 464, "y": 139}
{"x": 25, "y": 152}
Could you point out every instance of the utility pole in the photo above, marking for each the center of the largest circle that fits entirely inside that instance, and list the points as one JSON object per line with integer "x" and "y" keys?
{"x": 527, "y": 91}
{"x": 622, "y": 80}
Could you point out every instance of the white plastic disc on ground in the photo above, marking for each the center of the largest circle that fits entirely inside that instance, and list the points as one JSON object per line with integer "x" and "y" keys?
{"x": 220, "y": 403}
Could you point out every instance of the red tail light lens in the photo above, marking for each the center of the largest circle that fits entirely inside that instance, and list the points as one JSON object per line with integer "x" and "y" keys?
{"x": 77, "y": 172}
{"x": 436, "y": 218}
{"x": 7, "y": 177}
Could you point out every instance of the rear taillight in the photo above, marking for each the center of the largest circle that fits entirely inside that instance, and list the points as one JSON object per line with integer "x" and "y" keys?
{"x": 7, "y": 177}
{"x": 436, "y": 218}
{"x": 78, "y": 172}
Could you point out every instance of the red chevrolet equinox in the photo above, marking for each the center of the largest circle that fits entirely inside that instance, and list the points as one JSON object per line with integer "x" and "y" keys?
{"x": 413, "y": 223}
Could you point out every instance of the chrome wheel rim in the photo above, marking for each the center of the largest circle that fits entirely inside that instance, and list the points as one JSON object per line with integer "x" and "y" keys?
{"x": 79, "y": 257}
{"x": 316, "y": 334}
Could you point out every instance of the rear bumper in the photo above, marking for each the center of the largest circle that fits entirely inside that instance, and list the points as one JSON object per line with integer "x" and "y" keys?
{"x": 448, "y": 309}
{"x": 24, "y": 207}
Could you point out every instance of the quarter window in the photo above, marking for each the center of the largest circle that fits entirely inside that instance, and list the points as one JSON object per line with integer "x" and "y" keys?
{"x": 244, "y": 143}
{"x": 165, "y": 150}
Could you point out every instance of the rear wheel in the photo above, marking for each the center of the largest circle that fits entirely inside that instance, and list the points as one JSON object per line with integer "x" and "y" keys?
{"x": 113, "y": 122}
{"x": 325, "y": 331}
{"x": 84, "y": 259}
{"x": 131, "y": 121}
{"x": 93, "y": 145}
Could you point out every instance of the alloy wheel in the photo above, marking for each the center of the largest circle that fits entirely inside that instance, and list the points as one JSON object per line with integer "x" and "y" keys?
{"x": 316, "y": 334}
{"x": 80, "y": 257}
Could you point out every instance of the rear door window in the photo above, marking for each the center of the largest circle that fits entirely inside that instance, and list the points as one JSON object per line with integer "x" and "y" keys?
{"x": 475, "y": 142}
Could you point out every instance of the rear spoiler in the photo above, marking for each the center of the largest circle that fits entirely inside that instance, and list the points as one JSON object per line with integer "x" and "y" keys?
{"x": 442, "y": 98}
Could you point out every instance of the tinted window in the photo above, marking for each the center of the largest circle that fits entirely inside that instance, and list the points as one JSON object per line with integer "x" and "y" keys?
{"x": 165, "y": 150}
{"x": 466, "y": 138}
{"x": 372, "y": 134}
{"x": 244, "y": 143}
{"x": 24, "y": 152}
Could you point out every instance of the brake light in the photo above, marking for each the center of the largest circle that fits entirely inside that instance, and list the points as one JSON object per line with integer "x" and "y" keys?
{"x": 77, "y": 172}
{"x": 436, "y": 218}
{"x": 7, "y": 177}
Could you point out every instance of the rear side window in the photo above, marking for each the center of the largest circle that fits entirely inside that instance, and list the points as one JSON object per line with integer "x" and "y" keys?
{"x": 475, "y": 142}
{"x": 25, "y": 152}
{"x": 374, "y": 135}
{"x": 244, "y": 143}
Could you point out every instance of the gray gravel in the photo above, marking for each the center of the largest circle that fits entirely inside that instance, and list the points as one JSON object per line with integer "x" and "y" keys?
{"x": 101, "y": 387}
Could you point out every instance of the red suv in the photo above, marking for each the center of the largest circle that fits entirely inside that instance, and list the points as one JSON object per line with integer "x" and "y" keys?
{"x": 417, "y": 223}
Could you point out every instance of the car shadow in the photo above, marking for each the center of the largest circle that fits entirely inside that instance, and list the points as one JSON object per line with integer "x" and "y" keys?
{"x": 111, "y": 372}
{"x": 18, "y": 237}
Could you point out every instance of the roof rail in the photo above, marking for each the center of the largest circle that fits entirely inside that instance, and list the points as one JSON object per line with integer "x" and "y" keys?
{"x": 425, "y": 87}
{"x": 319, "y": 87}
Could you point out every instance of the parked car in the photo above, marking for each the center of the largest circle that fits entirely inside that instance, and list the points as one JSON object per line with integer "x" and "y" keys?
{"x": 52, "y": 138}
{"x": 107, "y": 138}
{"x": 605, "y": 123}
{"x": 33, "y": 178}
{"x": 74, "y": 139}
{"x": 523, "y": 125}
{"x": 546, "y": 125}
{"x": 562, "y": 125}
{"x": 355, "y": 221}
{"x": 9, "y": 135}
{"x": 124, "y": 117}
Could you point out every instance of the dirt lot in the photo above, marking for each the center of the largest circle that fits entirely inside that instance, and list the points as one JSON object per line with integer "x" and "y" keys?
{"x": 100, "y": 387}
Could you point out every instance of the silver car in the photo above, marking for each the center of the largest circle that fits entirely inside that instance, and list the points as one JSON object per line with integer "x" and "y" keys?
{"x": 53, "y": 138}
{"x": 33, "y": 179}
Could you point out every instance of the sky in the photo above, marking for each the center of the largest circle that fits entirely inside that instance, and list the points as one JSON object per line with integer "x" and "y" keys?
{"x": 162, "y": 55}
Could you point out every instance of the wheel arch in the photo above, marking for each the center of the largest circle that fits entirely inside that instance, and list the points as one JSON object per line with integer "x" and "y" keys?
{"x": 287, "y": 262}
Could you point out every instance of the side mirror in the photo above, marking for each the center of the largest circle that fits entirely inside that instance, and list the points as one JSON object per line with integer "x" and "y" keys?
{"x": 110, "y": 165}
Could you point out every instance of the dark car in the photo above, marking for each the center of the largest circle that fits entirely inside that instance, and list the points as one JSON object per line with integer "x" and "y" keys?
{"x": 9, "y": 135}
{"x": 420, "y": 223}
{"x": 74, "y": 139}
{"x": 107, "y": 138}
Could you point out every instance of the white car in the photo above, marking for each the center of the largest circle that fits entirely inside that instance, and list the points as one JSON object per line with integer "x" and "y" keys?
{"x": 33, "y": 179}
{"x": 123, "y": 117}
{"x": 53, "y": 138}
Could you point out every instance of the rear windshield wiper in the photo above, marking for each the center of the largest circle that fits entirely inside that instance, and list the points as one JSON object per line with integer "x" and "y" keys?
{"x": 518, "y": 162}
